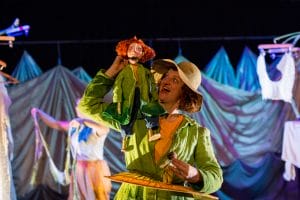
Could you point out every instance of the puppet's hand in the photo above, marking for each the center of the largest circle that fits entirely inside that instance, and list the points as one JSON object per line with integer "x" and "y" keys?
{"x": 152, "y": 122}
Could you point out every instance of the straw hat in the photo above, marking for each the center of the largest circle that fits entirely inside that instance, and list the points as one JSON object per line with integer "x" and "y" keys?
{"x": 188, "y": 72}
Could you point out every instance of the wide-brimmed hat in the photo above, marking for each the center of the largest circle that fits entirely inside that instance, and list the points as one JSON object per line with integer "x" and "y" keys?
{"x": 188, "y": 72}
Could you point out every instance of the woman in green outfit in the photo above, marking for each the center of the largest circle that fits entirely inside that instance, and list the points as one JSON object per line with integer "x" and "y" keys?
{"x": 195, "y": 163}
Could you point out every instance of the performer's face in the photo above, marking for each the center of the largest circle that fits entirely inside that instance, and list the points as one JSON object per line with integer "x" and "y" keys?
{"x": 170, "y": 88}
{"x": 134, "y": 52}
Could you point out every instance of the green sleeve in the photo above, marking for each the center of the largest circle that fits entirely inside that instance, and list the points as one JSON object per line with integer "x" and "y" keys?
{"x": 91, "y": 104}
{"x": 208, "y": 166}
{"x": 117, "y": 87}
{"x": 153, "y": 87}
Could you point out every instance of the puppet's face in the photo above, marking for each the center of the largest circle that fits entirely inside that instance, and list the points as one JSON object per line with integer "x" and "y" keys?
{"x": 134, "y": 53}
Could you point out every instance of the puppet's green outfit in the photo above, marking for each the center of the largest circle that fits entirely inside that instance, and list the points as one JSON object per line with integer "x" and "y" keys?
{"x": 124, "y": 91}
{"x": 191, "y": 143}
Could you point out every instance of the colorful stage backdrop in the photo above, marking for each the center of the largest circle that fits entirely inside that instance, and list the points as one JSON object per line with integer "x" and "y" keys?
{"x": 247, "y": 131}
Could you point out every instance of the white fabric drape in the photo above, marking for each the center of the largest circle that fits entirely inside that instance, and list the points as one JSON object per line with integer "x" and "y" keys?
{"x": 291, "y": 148}
{"x": 7, "y": 190}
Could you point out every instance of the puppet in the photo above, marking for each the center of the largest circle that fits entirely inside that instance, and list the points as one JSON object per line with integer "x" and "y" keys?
{"x": 134, "y": 91}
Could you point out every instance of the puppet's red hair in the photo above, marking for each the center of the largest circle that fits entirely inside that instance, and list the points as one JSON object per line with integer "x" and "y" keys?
{"x": 123, "y": 45}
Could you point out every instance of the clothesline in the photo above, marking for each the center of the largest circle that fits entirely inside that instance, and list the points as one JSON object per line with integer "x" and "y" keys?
{"x": 176, "y": 39}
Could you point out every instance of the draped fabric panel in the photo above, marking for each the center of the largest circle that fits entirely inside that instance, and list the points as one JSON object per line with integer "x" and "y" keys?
{"x": 55, "y": 92}
{"x": 80, "y": 73}
{"x": 27, "y": 68}
{"x": 220, "y": 68}
{"x": 243, "y": 125}
{"x": 180, "y": 58}
{"x": 246, "y": 75}
{"x": 260, "y": 181}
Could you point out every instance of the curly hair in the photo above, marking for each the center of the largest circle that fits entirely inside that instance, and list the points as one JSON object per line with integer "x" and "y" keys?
{"x": 123, "y": 45}
{"x": 190, "y": 101}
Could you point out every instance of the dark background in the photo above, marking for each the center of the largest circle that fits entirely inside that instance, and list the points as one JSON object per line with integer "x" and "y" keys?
{"x": 84, "y": 33}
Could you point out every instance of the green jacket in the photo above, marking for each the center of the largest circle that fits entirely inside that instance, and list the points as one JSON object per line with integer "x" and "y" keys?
{"x": 191, "y": 142}
{"x": 124, "y": 90}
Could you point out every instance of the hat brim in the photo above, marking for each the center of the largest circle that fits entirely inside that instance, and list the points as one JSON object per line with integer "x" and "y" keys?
{"x": 162, "y": 66}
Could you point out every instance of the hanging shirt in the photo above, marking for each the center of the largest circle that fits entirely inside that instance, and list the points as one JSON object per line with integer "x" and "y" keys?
{"x": 86, "y": 144}
{"x": 291, "y": 148}
{"x": 283, "y": 88}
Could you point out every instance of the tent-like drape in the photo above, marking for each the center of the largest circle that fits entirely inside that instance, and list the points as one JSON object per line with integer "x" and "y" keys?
{"x": 220, "y": 68}
{"x": 80, "y": 73}
{"x": 246, "y": 75}
{"x": 179, "y": 58}
{"x": 27, "y": 68}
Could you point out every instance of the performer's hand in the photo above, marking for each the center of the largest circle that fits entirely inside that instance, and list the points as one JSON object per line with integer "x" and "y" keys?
{"x": 118, "y": 64}
{"x": 33, "y": 112}
{"x": 76, "y": 122}
{"x": 185, "y": 171}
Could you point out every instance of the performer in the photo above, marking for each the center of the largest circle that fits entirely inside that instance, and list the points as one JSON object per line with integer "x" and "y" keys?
{"x": 88, "y": 180}
{"x": 134, "y": 90}
{"x": 7, "y": 188}
{"x": 194, "y": 165}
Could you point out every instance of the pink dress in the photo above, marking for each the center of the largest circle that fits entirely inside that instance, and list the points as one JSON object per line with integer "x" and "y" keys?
{"x": 90, "y": 168}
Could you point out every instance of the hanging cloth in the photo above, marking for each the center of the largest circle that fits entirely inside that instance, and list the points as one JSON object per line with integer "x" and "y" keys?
{"x": 283, "y": 88}
{"x": 290, "y": 149}
{"x": 61, "y": 177}
{"x": 7, "y": 189}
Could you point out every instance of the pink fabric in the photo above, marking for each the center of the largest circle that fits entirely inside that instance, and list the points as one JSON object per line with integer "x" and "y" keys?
{"x": 91, "y": 181}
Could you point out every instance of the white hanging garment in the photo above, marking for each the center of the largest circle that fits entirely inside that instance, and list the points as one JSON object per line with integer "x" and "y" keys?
{"x": 7, "y": 189}
{"x": 291, "y": 148}
{"x": 283, "y": 88}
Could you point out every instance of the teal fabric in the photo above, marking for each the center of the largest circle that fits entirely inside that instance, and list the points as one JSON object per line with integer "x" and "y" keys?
{"x": 80, "y": 73}
{"x": 220, "y": 69}
{"x": 180, "y": 58}
{"x": 243, "y": 125}
{"x": 27, "y": 69}
{"x": 246, "y": 75}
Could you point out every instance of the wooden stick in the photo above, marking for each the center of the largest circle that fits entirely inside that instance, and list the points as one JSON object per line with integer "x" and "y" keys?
{"x": 7, "y": 38}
